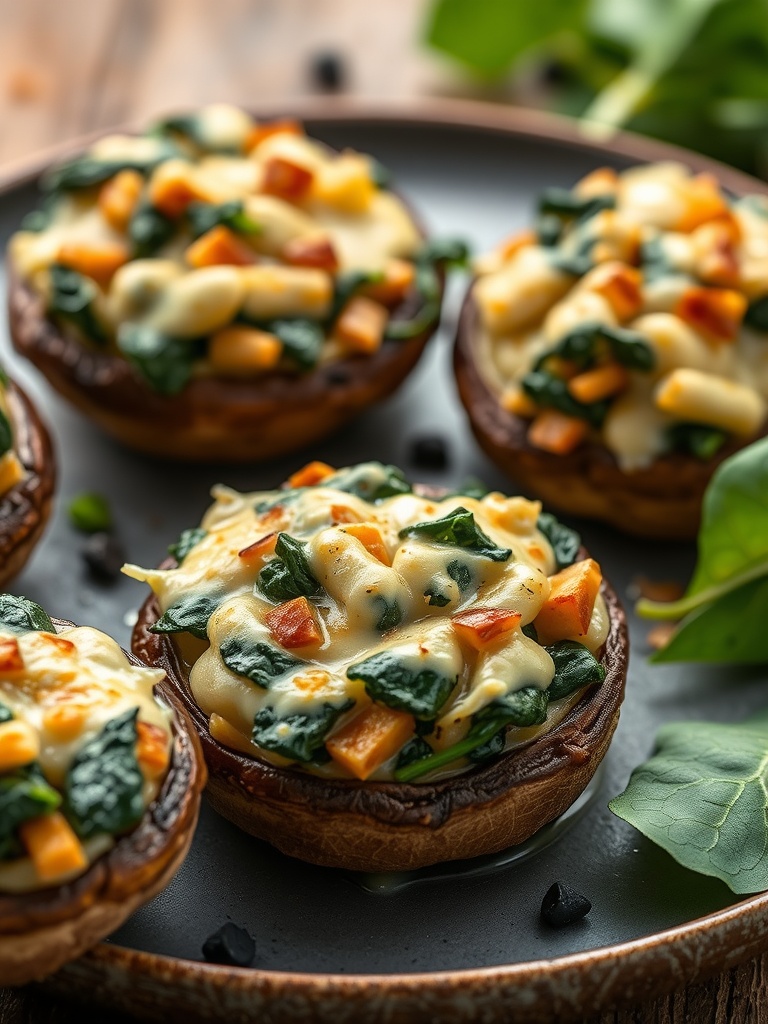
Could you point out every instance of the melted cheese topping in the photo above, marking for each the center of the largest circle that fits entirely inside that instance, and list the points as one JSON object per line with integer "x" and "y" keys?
{"x": 354, "y": 587}
{"x": 72, "y": 684}
{"x": 672, "y": 259}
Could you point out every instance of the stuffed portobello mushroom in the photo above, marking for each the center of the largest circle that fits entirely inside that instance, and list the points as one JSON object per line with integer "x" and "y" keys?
{"x": 222, "y": 287}
{"x": 611, "y": 358}
{"x": 100, "y": 786}
{"x": 385, "y": 677}
{"x": 27, "y": 478}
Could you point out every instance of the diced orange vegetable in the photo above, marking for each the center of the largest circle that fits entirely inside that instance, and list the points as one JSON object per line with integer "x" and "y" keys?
{"x": 53, "y": 847}
{"x": 98, "y": 260}
{"x": 285, "y": 179}
{"x": 259, "y": 549}
{"x": 118, "y": 198}
{"x": 293, "y": 624}
{"x": 717, "y": 261}
{"x": 11, "y": 661}
{"x": 360, "y": 328}
{"x": 219, "y": 246}
{"x": 395, "y": 284}
{"x": 259, "y": 132}
{"x": 343, "y": 514}
{"x": 370, "y": 739}
{"x": 704, "y": 201}
{"x": 239, "y": 351}
{"x": 11, "y": 471}
{"x": 602, "y": 382}
{"x": 602, "y": 181}
{"x": 516, "y": 401}
{"x": 371, "y": 539}
{"x": 152, "y": 751}
{"x": 226, "y": 734}
{"x": 553, "y": 431}
{"x": 567, "y": 612}
{"x": 311, "y": 252}
{"x": 310, "y": 475}
{"x": 620, "y": 285}
{"x": 172, "y": 188}
{"x": 716, "y": 313}
{"x": 482, "y": 627}
{"x": 64, "y": 721}
{"x": 513, "y": 245}
{"x": 19, "y": 745}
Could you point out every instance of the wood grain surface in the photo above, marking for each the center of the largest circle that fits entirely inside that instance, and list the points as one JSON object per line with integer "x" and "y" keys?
{"x": 68, "y": 67}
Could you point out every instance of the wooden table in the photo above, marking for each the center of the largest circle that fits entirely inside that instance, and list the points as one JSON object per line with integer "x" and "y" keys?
{"x": 69, "y": 67}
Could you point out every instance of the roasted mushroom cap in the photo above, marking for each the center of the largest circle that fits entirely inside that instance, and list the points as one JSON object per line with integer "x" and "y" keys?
{"x": 25, "y": 508}
{"x": 390, "y": 826}
{"x": 662, "y": 500}
{"x": 41, "y": 930}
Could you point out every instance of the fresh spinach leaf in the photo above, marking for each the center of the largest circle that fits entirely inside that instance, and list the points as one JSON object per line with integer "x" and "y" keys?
{"x": 24, "y": 794}
{"x": 288, "y": 575}
{"x": 436, "y": 598}
{"x": 298, "y": 737}
{"x": 695, "y": 439}
{"x": 85, "y": 171}
{"x": 568, "y": 207}
{"x": 103, "y": 791}
{"x": 415, "y": 750}
{"x": 389, "y": 680}
{"x": 72, "y": 298}
{"x": 6, "y": 434}
{"x": 452, "y": 252}
{"x": 149, "y": 230}
{"x": 164, "y": 363}
{"x": 575, "y": 667}
{"x": 257, "y": 661}
{"x": 188, "y": 540}
{"x": 203, "y": 217}
{"x": 461, "y": 575}
{"x": 549, "y": 229}
{"x": 458, "y": 529}
{"x": 703, "y": 797}
{"x": 564, "y": 541}
{"x": 19, "y": 614}
{"x": 370, "y": 481}
{"x": 302, "y": 340}
{"x": 584, "y": 343}
{"x": 188, "y": 615}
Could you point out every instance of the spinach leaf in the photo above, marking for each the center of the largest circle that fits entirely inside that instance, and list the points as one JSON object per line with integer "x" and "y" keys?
{"x": 436, "y": 598}
{"x": 453, "y": 252}
{"x": 582, "y": 346}
{"x": 458, "y": 529}
{"x": 164, "y": 363}
{"x": 370, "y": 481}
{"x": 549, "y": 228}
{"x": 489, "y": 750}
{"x": 703, "y": 797}
{"x": 302, "y": 340}
{"x": 6, "y": 434}
{"x": 189, "y": 615}
{"x": 345, "y": 285}
{"x": 380, "y": 175}
{"x": 103, "y": 791}
{"x": 530, "y": 631}
{"x": 85, "y": 171}
{"x": 90, "y": 512}
{"x": 461, "y": 575}
{"x": 188, "y": 540}
{"x": 257, "y": 661}
{"x": 19, "y": 614}
{"x": 567, "y": 206}
{"x": 756, "y": 316}
{"x": 72, "y": 298}
{"x": 149, "y": 230}
{"x": 288, "y": 575}
{"x": 298, "y": 737}
{"x": 391, "y": 613}
{"x": 415, "y": 750}
{"x": 575, "y": 667}
{"x": 564, "y": 541}
{"x": 695, "y": 439}
{"x": 204, "y": 216}
{"x": 426, "y": 282}
{"x": 24, "y": 794}
{"x": 389, "y": 680}
{"x": 551, "y": 392}
{"x": 6, "y": 715}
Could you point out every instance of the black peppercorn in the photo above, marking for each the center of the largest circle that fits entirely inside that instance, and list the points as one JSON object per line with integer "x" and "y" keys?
{"x": 230, "y": 945}
{"x": 563, "y": 905}
{"x": 104, "y": 555}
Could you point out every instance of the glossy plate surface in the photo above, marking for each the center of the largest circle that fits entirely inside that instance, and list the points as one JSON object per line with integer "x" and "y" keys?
{"x": 479, "y": 182}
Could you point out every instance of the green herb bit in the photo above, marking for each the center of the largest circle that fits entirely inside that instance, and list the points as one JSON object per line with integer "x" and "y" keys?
{"x": 24, "y": 794}
{"x": 288, "y": 574}
{"x": 458, "y": 529}
{"x": 72, "y": 297}
{"x": 696, "y": 439}
{"x": 20, "y": 615}
{"x": 389, "y": 680}
{"x": 575, "y": 667}
{"x": 83, "y": 172}
{"x": 381, "y": 176}
{"x": 189, "y": 615}
{"x": 564, "y": 541}
{"x": 189, "y": 539}
{"x": 257, "y": 661}
{"x": 103, "y": 792}
{"x": 298, "y": 737}
{"x": 90, "y": 513}
{"x": 6, "y": 434}
{"x": 149, "y": 230}
{"x": 165, "y": 363}
{"x": 427, "y": 283}
{"x": 436, "y": 598}
{"x": 370, "y": 481}
{"x": 203, "y": 217}
{"x": 302, "y": 340}
{"x": 489, "y": 750}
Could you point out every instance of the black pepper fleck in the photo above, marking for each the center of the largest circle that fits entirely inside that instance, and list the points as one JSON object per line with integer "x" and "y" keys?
{"x": 563, "y": 905}
{"x": 230, "y": 945}
{"x": 429, "y": 452}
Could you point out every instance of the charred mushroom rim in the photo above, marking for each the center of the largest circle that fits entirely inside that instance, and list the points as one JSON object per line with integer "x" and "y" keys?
{"x": 223, "y": 288}
{"x": 384, "y": 678}
{"x": 100, "y": 787}
{"x": 27, "y": 478}
{"x": 611, "y": 358}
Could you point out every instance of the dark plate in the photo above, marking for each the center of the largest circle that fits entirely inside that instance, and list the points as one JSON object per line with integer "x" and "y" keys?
{"x": 478, "y": 178}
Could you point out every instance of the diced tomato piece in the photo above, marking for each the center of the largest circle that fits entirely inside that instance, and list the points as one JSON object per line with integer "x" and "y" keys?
{"x": 285, "y": 179}
{"x": 293, "y": 624}
{"x": 481, "y": 627}
{"x": 567, "y": 612}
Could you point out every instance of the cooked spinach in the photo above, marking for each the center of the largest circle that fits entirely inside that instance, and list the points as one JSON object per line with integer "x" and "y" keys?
{"x": 298, "y": 737}
{"x": 568, "y": 207}
{"x": 6, "y": 434}
{"x": 453, "y": 252}
{"x": 72, "y": 298}
{"x": 345, "y": 285}
{"x": 370, "y": 481}
{"x": 436, "y": 598}
{"x": 585, "y": 343}
{"x": 389, "y": 680}
{"x": 461, "y": 575}
{"x": 530, "y": 631}
{"x": 551, "y": 392}
{"x": 188, "y": 540}
{"x": 564, "y": 541}
{"x": 256, "y": 660}
{"x": 549, "y": 228}
{"x": 487, "y": 751}
{"x": 24, "y": 794}
{"x": 19, "y": 614}
{"x": 415, "y": 750}
{"x": 695, "y": 439}
{"x": 757, "y": 314}
{"x": 6, "y": 715}
{"x": 149, "y": 230}
{"x": 390, "y": 613}
{"x": 380, "y": 175}
{"x": 103, "y": 790}
{"x": 203, "y": 217}
{"x": 85, "y": 171}
{"x": 458, "y": 529}
{"x": 189, "y": 615}
{"x": 165, "y": 363}
{"x": 288, "y": 575}
{"x": 426, "y": 282}
{"x": 575, "y": 667}
{"x": 654, "y": 260}
{"x": 302, "y": 339}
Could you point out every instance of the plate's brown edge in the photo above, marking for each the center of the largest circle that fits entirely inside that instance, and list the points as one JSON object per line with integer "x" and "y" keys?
{"x": 537, "y": 990}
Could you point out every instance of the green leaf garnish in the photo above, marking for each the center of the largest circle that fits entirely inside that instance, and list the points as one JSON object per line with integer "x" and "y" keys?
{"x": 72, "y": 298}
{"x": 90, "y": 512}
{"x": 149, "y": 230}
{"x": 302, "y": 340}
{"x": 20, "y": 615}
{"x": 458, "y": 529}
{"x": 189, "y": 615}
{"x": 203, "y": 217}
{"x": 288, "y": 575}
